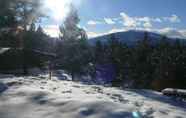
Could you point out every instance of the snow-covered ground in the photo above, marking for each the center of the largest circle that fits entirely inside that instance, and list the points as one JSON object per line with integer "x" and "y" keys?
{"x": 34, "y": 97}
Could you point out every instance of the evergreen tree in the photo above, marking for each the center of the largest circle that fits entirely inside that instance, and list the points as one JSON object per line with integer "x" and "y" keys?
{"x": 141, "y": 64}
{"x": 99, "y": 53}
{"x": 7, "y": 15}
{"x": 32, "y": 27}
{"x": 73, "y": 52}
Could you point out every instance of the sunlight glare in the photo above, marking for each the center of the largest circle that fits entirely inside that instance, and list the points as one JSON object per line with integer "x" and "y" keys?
{"x": 59, "y": 8}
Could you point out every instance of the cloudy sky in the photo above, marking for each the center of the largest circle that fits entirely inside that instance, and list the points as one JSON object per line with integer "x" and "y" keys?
{"x": 99, "y": 17}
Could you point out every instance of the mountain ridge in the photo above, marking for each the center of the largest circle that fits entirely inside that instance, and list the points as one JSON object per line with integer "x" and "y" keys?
{"x": 131, "y": 37}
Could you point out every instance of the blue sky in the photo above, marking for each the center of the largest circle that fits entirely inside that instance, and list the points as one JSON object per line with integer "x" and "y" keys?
{"x": 100, "y": 17}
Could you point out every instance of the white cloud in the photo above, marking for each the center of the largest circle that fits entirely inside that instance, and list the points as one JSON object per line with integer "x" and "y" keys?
{"x": 183, "y": 32}
{"x": 128, "y": 21}
{"x": 109, "y": 21}
{"x": 114, "y": 30}
{"x": 139, "y": 23}
{"x": 147, "y": 25}
{"x": 95, "y": 34}
{"x": 159, "y": 20}
{"x": 170, "y": 32}
{"x": 164, "y": 30}
{"x": 52, "y": 30}
{"x": 149, "y": 19}
{"x": 136, "y": 21}
{"x": 92, "y": 34}
{"x": 173, "y": 19}
{"x": 117, "y": 30}
{"x": 143, "y": 19}
{"x": 92, "y": 22}
{"x": 146, "y": 21}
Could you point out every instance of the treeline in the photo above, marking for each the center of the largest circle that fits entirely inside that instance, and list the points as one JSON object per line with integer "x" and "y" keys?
{"x": 144, "y": 65}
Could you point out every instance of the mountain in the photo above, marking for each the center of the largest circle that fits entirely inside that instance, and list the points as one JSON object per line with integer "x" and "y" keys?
{"x": 131, "y": 37}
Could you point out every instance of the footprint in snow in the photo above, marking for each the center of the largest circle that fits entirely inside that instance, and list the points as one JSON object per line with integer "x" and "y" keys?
{"x": 108, "y": 94}
{"x": 138, "y": 104}
{"x": 98, "y": 89}
{"x": 119, "y": 98}
{"x": 65, "y": 84}
{"x": 43, "y": 82}
{"x": 99, "y": 97}
{"x": 163, "y": 112}
{"x": 69, "y": 91}
{"x": 53, "y": 89}
{"x": 88, "y": 92}
{"x": 148, "y": 113}
{"x": 42, "y": 88}
{"x": 76, "y": 86}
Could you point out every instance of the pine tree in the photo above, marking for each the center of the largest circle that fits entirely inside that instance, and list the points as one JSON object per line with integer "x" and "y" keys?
{"x": 141, "y": 63}
{"x": 32, "y": 27}
{"x": 74, "y": 47}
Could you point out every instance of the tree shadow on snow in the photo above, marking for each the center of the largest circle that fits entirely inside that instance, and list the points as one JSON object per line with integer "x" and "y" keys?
{"x": 95, "y": 110}
{"x": 3, "y": 87}
{"x": 39, "y": 98}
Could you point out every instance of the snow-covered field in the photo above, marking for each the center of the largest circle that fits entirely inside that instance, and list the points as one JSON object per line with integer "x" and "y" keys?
{"x": 34, "y": 97}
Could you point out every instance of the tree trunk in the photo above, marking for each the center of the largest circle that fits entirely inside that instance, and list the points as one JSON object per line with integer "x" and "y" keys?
{"x": 25, "y": 68}
{"x": 72, "y": 74}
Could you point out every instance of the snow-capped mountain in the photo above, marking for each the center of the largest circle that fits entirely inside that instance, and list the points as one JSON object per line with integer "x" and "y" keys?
{"x": 131, "y": 37}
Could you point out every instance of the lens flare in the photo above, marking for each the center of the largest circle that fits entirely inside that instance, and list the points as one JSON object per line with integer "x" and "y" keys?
{"x": 58, "y": 8}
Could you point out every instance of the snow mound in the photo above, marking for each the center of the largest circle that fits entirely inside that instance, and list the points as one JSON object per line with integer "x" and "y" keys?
{"x": 35, "y": 97}
{"x": 174, "y": 92}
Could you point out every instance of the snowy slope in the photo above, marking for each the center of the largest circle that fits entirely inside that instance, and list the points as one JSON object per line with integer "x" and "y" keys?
{"x": 34, "y": 97}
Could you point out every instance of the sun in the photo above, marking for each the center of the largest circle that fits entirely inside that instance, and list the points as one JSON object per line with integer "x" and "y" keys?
{"x": 58, "y": 8}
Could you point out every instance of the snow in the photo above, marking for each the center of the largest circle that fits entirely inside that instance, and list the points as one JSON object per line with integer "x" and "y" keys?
{"x": 174, "y": 92}
{"x": 37, "y": 97}
{"x": 2, "y": 50}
